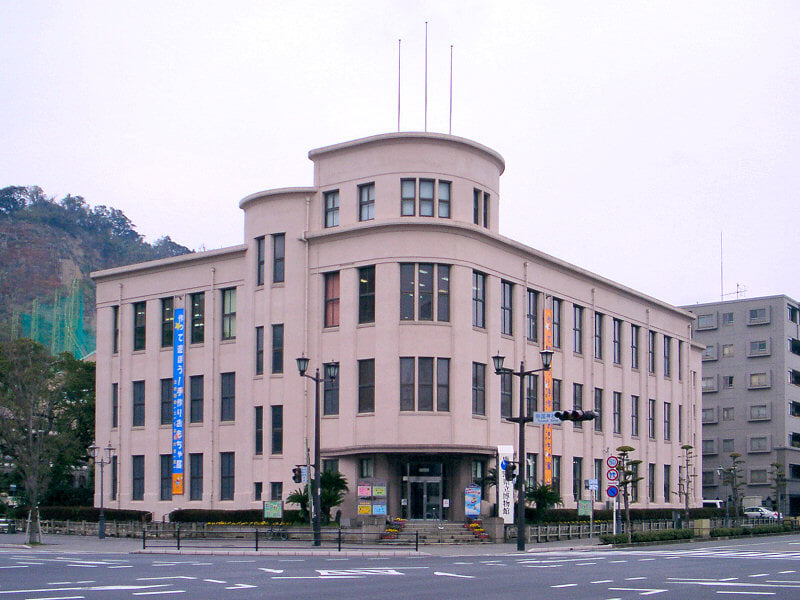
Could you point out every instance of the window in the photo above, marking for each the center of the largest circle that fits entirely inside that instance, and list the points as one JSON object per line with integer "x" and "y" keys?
{"x": 408, "y": 197}
{"x": 443, "y": 293}
{"x": 556, "y": 323}
{"x": 556, "y": 394}
{"x": 423, "y": 400}
{"x": 444, "y": 199}
{"x": 258, "y": 488}
{"x": 793, "y": 313}
{"x": 531, "y": 467}
{"x": 276, "y": 430}
{"x": 531, "y": 321}
{"x": 137, "y": 477}
{"x": 598, "y": 407}
{"x": 195, "y": 477}
{"x": 651, "y": 419}
{"x": 577, "y": 477}
{"x": 228, "y": 397}
{"x": 332, "y": 299}
{"x": 759, "y": 348}
{"x": 165, "y": 492}
{"x": 728, "y": 413}
{"x": 709, "y": 479}
{"x": 680, "y": 360}
{"x": 138, "y": 404}
{"x": 651, "y": 352}
{"x": 710, "y": 352}
{"x": 407, "y": 292}
{"x": 708, "y": 321}
{"x": 634, "y": 346}
{"x": 651, "y": 482}
{"x": 366, "y": 386}
{"x": 728, "y": 446}
{"x": 635, "y": 416}
{"x": 426, "y": 197}
{"x": 794, "y": 471}
{"x": 366, "y": 202}
{"x": 667, "y": 356}
{"x": 330, "y": 395}
{"x": 366, "y": 467}
{"x": 139, "y": 329}
{"x": 634, "y": 468}
{"x": 506, "y": 308}
{"x": 667, "y": 421}
{"x": 258, "y": 442}
{"x": 260, "y": 350}
{"x": 276, "y": 490}
{"x": 616, "y": 410}
{"x": 531, "y": 401}
{"x": 366, "y": 295}
{"x": 425, "y": 292}
{"x": 709, "y": 384}
{"x": 794, "y": 408}
{"x": 759, "y": 412}
{"x": 577, "y": 329}
{"x": 709, "y": 415}
{"x": 331, "y": 208}
{"x": 166, "y": 402}
{"x": 505, "y": 395}
{"x": 277, "y": 348}
{"x": 759, "y": 380}
{"x": 757, "y": 316}
{"x": 443, "y": 384}
{"x": 196, "y": 399}
{"x": 759, "y": 444}
{"x": 115, "y": 326}
{"x": 114, "y": 477}
{"x": 758, "y": 476}
{"x": 577, "y": 402}
{"x": 261, "y": 257}
{"x": 794, "y": 440}
{"x": 680, "y": 423}
{"x": 480, "y": 208}
{"x": 598, "y": 336}
{"x": 278, "y": 257}
{"x": 198, "y": 317}
{"x": 709, "y": 447}
{"x": 478, "y": 389}
{"x": 557, "y": 473}
{"x": 227, "y": 474}
{"x": 478, "y": 299}
{"x": 114, "y": 405}
{"x": 229, "y": 314}
{"x": 794, "y": 346}
{"x": 727, "y": 318}
{"x": 616, "y": 342}
{"x": 727, "y": 350}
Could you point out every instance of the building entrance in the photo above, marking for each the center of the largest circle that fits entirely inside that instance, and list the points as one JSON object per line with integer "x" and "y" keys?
{"x": 422, "y": 491}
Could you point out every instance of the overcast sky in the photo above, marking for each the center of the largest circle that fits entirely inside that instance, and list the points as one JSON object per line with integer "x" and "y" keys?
{"x": 634, "y": 133}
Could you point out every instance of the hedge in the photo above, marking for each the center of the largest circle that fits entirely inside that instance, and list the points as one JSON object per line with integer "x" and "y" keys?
{"x": 564, "y": 515}
{"x": 754, "y": 530}
{"x": 86, "y": 513}
{"x": 198, "y": 515}
{"x": 648, "y": 536}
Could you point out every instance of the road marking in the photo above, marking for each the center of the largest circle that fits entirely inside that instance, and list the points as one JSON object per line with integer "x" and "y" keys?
{"x": 563, "y": 585}
{"x": 603, "y": 581}
{"x": 240, "y": 561}
{"x": 584, "y": 564}
{"x": 634, "y": 578}
{"x": 463, "y": 563}
{"x": 378, "y": 571}
{"x": 170, "y": 577}
{"x": 214, "y": 581}
{"x": 748, "y": 593}
{"x": 58, "y": 598}
{"x": 15, "y": 567}
{"x": 618, "y": 561}
{"x": 785, "y": 572}
{"x": 121, "y": 567}
{"x": 542, "y": 566}
{"x": 270, "y": 570}
{"x": 443, "y": 574}
{"x": 759, "y": 575}
{"x": 161, "y": 592}
{"x": 239, "y": 586}
{"x": 642, "y": 591}
{"x": 645, "y": 559}
{"x": 94, "y": 588}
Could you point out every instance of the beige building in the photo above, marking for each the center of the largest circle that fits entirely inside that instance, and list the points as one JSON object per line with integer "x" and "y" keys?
{"x": 392, "y": 266}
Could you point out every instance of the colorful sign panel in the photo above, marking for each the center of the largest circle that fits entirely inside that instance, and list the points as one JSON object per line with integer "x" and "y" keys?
{"x": 472, "y": 500}
{"x": 273, "y": 509}
{"x": 547, "y": 430}
{"x": 584, "y": 508}
{"x": 364, "y": 507}
{"x": 364, "y": 490}
{"x": 505, "y": 488}
{"x": 178, "y": 370}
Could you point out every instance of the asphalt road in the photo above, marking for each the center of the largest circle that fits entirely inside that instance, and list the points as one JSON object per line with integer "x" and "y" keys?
{"x": 758, "y": 568}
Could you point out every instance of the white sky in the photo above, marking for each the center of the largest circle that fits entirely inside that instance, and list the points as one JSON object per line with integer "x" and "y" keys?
{"x": 633, "y": 132}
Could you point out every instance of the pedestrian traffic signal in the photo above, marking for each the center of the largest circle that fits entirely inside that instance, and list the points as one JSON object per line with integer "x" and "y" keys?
{"x": 577, "y": 415}
{"x": 297, "y": 475}
{"x": 511, "y": 471}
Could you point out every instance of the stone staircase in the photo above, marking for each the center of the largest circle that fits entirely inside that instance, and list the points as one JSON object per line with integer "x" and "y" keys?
{"x": 441, "y": 532}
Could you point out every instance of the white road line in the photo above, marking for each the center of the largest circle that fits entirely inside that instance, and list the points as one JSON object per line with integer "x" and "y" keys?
{"x": 645, "y": 559}
{"x": 58, "y": 598}
{"x": 214, "y": 581}
{"x": 161, "y": 592}
{"x": 584, "y": 564}
{"x": 634, "y": 578}
{"x": 563, "y": 585}
{"x": 785, "y": 572}
{"x": 443, "y": 574}
{"x": 266, "y": 570}
{"x": 121, "y": 567}
{"x": 170, "y": 577}
{"x": 15, "y": 567}
{"x": 603, "y": 581}
{"x": 759, "y": 575}
{"x": 748, "y": 593}
{"x": 542, "y": 566}
{"x": 642, "y": 591}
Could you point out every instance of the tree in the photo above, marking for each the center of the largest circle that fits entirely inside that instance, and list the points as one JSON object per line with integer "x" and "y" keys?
{"x": 685, "y": 479}
{"x": 628, "y": 482}
{"x": 733, "y": 477}
{"x": 778, "y": 476}
{"x": 544, "y": 497}
{"x": 333, "y": 487}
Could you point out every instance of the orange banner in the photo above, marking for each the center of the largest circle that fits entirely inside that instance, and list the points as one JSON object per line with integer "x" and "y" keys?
{"x": 547, "y": 433}
{"x": 177, "y": 483}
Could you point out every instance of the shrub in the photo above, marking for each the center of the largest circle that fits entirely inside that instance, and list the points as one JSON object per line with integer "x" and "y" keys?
{"x": 89, "y": 513}
{"x": 198, "y": 515}
{"x": 648, "y": 536}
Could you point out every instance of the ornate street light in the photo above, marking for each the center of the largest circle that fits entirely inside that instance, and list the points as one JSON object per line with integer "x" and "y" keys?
{"x": 99, "y": 460}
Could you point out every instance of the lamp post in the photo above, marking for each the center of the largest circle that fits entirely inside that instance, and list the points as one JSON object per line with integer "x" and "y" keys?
{"x": 331, "y": 372}
{"x": 522, "y": 419}
{"x": 95, "y": 450}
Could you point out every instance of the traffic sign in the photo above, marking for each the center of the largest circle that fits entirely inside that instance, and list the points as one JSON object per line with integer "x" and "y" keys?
{"x": 612, "y": 491}
{"x": 612, "y": 474}
{"x": 612, "y": 462}
{"x": 503, "y": 464}
{"x": 592, "y": 485}
{"x": 546, "y": 418}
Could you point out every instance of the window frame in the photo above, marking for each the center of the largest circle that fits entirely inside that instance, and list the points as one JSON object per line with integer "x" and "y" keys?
{"x": 506, "y": 307}
{"x": 366, "y": 201}
{"x": 332, "y": 298}
{"x": 278, "y": 257}
{"x": 198, "y": 317}
{"x": 139, "y": 326}
{"x": 228, "y": 307}
{"x": 278, "y": 340}
{"x": 366, "y": 386}
{"x": 366, "y": 294}
{"x": 227, "y": 476}
{"x": 330, "y": 202}
{"x": 227, "y": 402}
{"x": 577, "y": 329}
{"x": 479, "y": 299}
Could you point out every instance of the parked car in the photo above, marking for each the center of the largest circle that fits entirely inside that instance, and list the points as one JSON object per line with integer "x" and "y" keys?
{"x": 759, "y": 512}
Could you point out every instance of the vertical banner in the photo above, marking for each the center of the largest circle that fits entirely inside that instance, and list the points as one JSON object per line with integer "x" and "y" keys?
{"x": 547, "y": 432}
{"x": 505, "y": 488}
{"x": 178, "y": 345}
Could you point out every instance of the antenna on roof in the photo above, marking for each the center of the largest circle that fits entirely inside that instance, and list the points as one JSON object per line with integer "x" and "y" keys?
{"x": 426, "y": 76}
{"x": 450, "y": 129}
{"x": 399, "y": 41}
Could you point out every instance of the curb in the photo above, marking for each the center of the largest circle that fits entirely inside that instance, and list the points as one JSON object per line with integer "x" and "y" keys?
{"x": 297, "y": 552}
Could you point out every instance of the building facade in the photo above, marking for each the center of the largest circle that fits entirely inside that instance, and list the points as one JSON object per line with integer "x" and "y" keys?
{"x": 391, "y": 265}
{"x": 751, "y": 396}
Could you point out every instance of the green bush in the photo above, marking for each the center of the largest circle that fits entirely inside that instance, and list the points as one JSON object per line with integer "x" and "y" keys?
{"x": 648, "y": 536}
{"x": 198, "y": 515}
{"x": 566, "y": 515}
{"x": 87, "y": 513}
{"x": 754, "y": 530}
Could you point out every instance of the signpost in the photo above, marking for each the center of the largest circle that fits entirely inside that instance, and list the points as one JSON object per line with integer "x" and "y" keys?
{"x": 546, "y": 418}
{"x": 612, "y": 491}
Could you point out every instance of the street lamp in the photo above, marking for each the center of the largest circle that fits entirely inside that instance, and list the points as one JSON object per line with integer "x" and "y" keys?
{"x": 95, "y": 450}
{"x": 331, "y": 373}
{"x": 522, "y": 419}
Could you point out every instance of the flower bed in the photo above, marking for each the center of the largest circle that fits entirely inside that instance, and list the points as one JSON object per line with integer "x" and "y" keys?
{"x": 476, "y": 527}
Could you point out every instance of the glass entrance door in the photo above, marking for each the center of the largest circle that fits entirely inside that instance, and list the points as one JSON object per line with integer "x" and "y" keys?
{"x": 422, "y": 491}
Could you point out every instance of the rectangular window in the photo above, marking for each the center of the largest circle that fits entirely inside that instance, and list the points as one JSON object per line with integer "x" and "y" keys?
{"x": 420, "y": 373}
{"x": 139, "y": 326}
{"x": 758, "y": 348}
{"x": 407, "y": 292}
{"x": 728, "y": 413}
{"x": 506, "y": 308}
{"x": 556, "y": 394}
{"x": 557, "y": 473}
{"x": 531, "y": 468}
{"x": 634, "y": 346}
{"x": 165, "y": 492}
{"x": 577, "y": 477}
{"x": 332, "y": 299}
{"x": 276, "y": 490}
{"x": 757, "y": 316}
{"x": 276, "y": 430}
{"x": 680, "y": 360}
{"x": 651, "y": 352}
{"x": 556, "y": 323}
{"x": 196, "y": 399}
{"x": 728, "y": 445}
{"x": 759, "y": 412}
{"x": 261, "y": 257}
{"x": 616, "y": 343}
{"x": 476, "y": 207}
{"x": 577, "y": 402}
{"x": 531, "y": 321}
{"x": 598, "y": 474}
{"x": 616, "y": 408}
{"x": 651, "y": 482}
{"x": 635, "y": 416}
{"x": 634, "y": 468}
{"x": 366, "y": 202}
{"x": 114, "y": 477}
{"x": 442, "y": 384}
{"x": 667, "y": 421}
{"x": 598, "y": 336}
{"x": 278, "y": 257}
{"x": 227, "y": 475}
{"x": 478, "y": 299}
{"x": 759, "y": 380}
{"x": 667, "y": 356}
{"x": 229, "y": 314}
{"x": 444, "y": 199}
{"x": 260, "y": 350}
{"x": 577, "y": 329}
{"x": 330, "y": 400}
{"x": 708, "y": 321}
{"x": 114, "y": 405}
{"x": 195, "y": 477}
{"x": 138, "y": 404}
{"x": 505, "y": 395}
{"x": 727, "y": 318}
{"x": 680, "y": 423}
{"x": 709, "y": 415}
{"x": 115, "y": 326}
{"x": 366, "y": 385}
{"x": 277, "y": 348}
{"x": 258, "y": 488}
{"x": 228, "y": 397}
{"x": 485, "y": 210}
{"x": 137, "y": 477}
{"x": 425, "y": 292}
{"x": 366, "y": 468}
{"x": 198, "y": 317}
{"x": 651, "y": 419}
{"x": 443, "y": 293}
{"x": 425, "y": 384}
{"x": 598, "y": 408}
{"x": 166, "y": 402}
{"x": 759, "y": 444}
{"x": 478, "y": 389}
{"x": 727, "y": 350}
{"x": 531, "y": 400}
{"x": 408, "y": 197}
{"x": 366, "y": 295}
{"x": 331, "y": 208}
{"x": 426, "y": 197}
{"x": 258, "y": 442}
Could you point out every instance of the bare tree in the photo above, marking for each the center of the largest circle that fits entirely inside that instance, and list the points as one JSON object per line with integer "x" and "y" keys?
{"x": 778, "y": 475}
{"x": 685, "y": 480}
{"x": 628, "y": 480}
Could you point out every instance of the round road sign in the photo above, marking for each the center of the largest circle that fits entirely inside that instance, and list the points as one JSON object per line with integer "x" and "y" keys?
{"x": 612, "y": 491}
{"x": 612, "y": 462}
{"x": 612, "y": 474}
{"x": 503, "y": 464}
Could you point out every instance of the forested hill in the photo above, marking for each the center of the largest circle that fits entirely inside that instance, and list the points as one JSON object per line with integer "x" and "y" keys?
{"x": 49, "y": 246}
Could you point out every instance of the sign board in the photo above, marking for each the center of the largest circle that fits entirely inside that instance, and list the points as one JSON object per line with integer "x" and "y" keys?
{"x": 178, "y": 371}
{"x": 612, "y": 491}
{"x": 547, "y": 401}
{"x": 592, "y": 484}
{"x": 445, "y": 502}
{"x": 612, "y": 474}
{"x": 304, "y": 474}
{"x": 364, "y": 490}
{"x": 364, "y": 507}
{"x": 379, "y": 490}
{"x": 612, "y": 462}
{"x": 273, "y": 509}
{"x": 379, "y": 507}
{"x": 546, "y": 418}
{"x": 505, "y": 488}
{"x": 472, "y": 500}
{"x": 584, "y": 508}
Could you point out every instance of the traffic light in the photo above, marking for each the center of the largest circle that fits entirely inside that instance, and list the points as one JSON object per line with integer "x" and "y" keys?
{"x": 576, "y": 415}
{"x": 297, "y": 475}
{"x": 511, "y": 471}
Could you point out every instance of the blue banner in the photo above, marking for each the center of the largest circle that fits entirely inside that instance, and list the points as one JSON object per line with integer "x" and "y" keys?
{"x": 178, "y": 368}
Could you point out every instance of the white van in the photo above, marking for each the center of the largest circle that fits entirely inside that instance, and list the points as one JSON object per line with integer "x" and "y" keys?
{"x": 713, "y": 504}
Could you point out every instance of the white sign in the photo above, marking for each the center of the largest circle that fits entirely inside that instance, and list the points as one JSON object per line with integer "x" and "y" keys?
{"x": 505, "y": 488}
{"x": 546, "y": 418}
{"x": 304, "y": 474}
{"x": 593, "y": 485}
